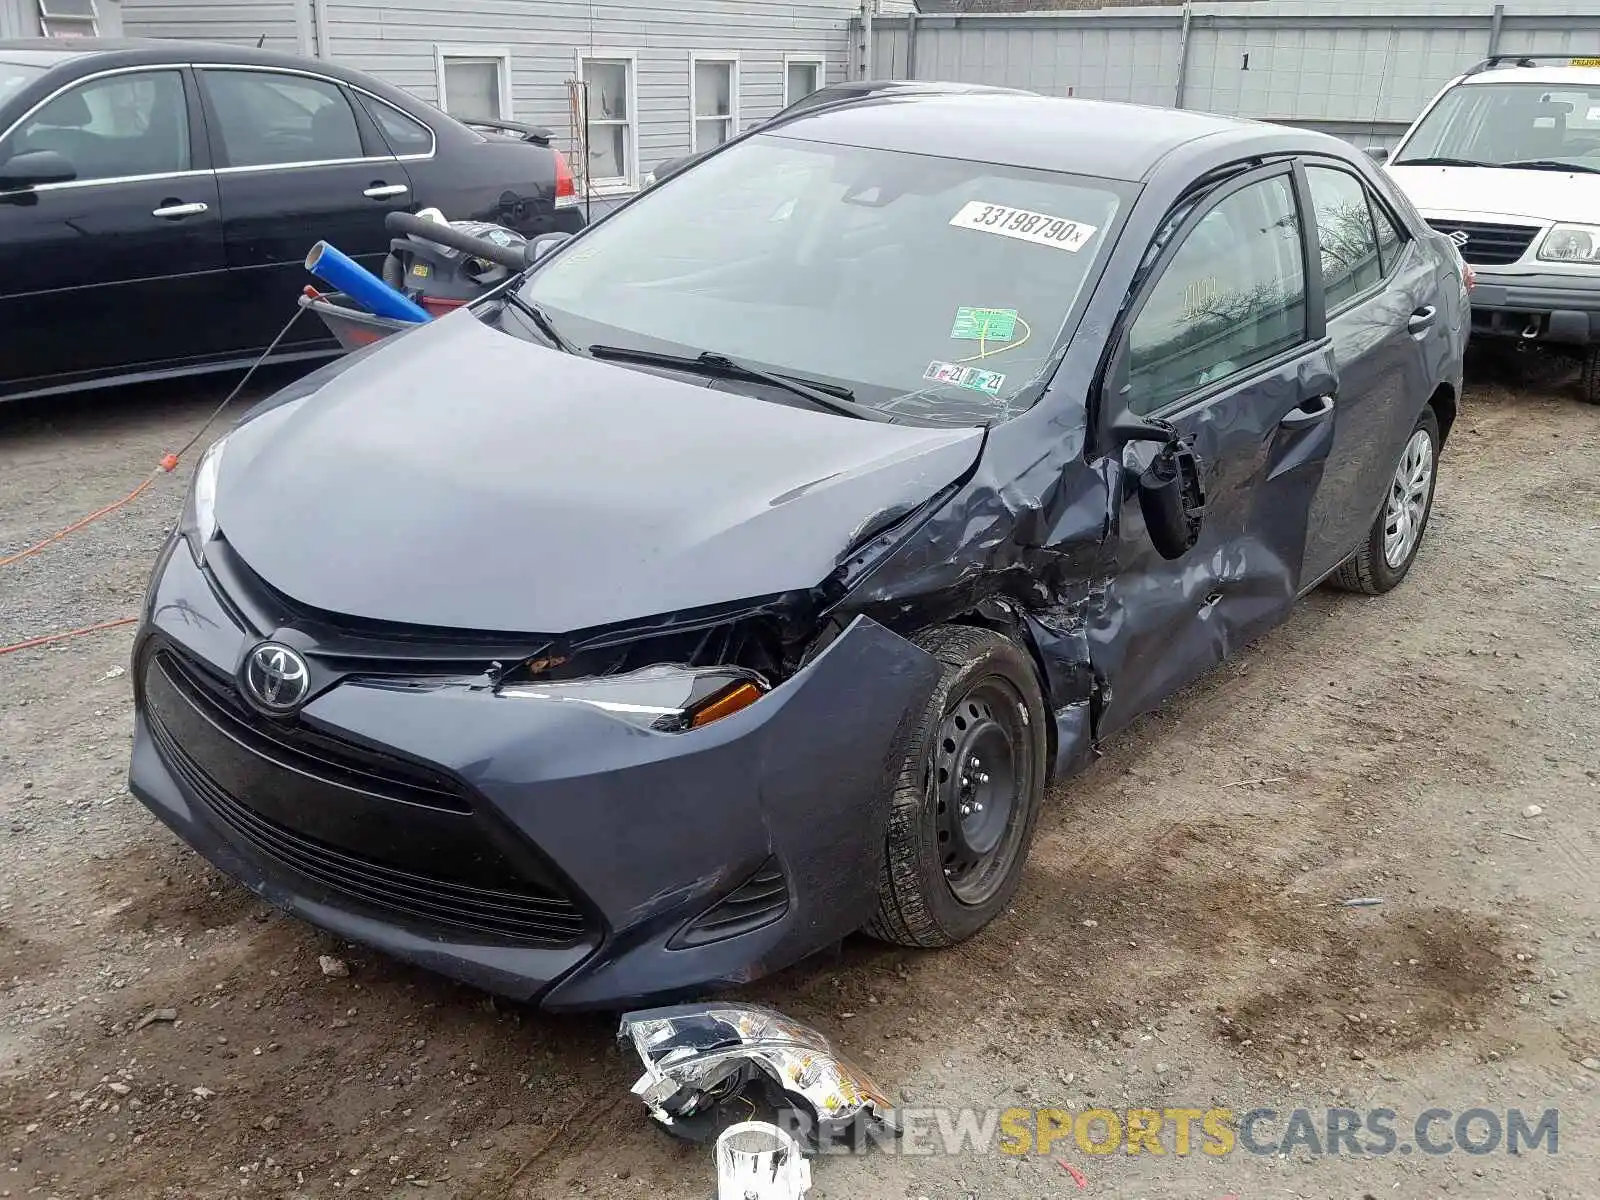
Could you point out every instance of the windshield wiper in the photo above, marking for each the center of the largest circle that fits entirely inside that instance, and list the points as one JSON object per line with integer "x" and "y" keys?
{"x": 1552, "y": 164}
{"x": 830, "y": 396}
{"x": 1440, "y": 162}
{"x": 542, "y": 321}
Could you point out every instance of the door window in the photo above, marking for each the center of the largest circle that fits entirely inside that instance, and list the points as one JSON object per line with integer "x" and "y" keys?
{"x": 1233, "y": 295}
{"x": 267, "y": 118}
{"x": 120, "y": 125}
{"x": 1390, "y": 240}
{"x": 1346, "y": 235}
{"x": 405, "y": 134}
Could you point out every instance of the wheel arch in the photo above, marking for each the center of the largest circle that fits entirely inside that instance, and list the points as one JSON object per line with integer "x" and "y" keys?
{"x": 1445, "y": 405}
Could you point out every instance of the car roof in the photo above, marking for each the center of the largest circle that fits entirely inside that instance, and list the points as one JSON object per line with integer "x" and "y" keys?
{"x": 1552, "y": 76}
{"x": 1099, "y": 138}
{"x": 132, "y": 52}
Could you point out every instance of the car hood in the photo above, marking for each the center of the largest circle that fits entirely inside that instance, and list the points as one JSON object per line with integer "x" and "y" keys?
{"x": 464, "y": 478}
{"x": 1498, "y": 194}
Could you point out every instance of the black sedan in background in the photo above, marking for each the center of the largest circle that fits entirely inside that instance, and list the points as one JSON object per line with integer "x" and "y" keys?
{"x": 157, "y": 200}
{"x": 740, "y": 577}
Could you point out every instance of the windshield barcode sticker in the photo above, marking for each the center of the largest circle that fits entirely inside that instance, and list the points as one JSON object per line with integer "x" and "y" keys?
{"x": 1040, "y": 228}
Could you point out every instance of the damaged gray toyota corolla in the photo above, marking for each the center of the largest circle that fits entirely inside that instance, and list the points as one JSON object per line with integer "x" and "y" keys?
{"x": 740, "y": 577}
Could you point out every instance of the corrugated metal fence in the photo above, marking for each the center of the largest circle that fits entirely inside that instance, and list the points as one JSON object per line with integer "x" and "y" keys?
{"x": 1359, "y": 70}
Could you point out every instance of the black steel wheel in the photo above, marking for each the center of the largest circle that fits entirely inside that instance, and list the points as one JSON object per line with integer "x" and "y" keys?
{"x": 971, "y": 782}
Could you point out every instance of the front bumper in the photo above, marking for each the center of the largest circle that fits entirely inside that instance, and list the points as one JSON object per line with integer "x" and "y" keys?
{"x": 543, "y": 851}
{"x": 1560, "y": 309}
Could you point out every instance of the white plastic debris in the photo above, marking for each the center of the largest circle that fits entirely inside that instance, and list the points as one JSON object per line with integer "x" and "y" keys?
{"x": 758, "y": 1161}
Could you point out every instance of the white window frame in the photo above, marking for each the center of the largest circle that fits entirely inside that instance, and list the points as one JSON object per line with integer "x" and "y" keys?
{"x": 499, "y": 55}
{"x": 69, "y": 24}
{"x": 630, "y": 182}
{"x": 712, "y": 58}
{"x": 803, "y": 60}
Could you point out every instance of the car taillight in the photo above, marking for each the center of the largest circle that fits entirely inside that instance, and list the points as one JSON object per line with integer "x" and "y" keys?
{"x": 566, "y": 186}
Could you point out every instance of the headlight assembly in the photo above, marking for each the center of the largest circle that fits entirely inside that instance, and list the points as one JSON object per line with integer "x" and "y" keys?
{"x": 1571, "y": 243}
{"x": 662, "y": 699}
{"x": 199, "y": 521}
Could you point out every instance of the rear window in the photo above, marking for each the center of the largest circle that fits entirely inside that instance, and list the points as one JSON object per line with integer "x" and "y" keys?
{"x": 1502, "y": 124}
{"x": 933, "y": 288}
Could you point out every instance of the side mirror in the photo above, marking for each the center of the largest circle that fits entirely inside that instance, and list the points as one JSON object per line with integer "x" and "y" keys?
{"x": 671, "y": 167}
{"x": 542, "y": 245}
{"x": 33, "y": 167}
{"x": 1378, "y": 154}
{"x": 1171, "y": 489}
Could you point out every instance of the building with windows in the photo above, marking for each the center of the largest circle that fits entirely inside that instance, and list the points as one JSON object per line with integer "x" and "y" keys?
{"x": 624, "y": 85}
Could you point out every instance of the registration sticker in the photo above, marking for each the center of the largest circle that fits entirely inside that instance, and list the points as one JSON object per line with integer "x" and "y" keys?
{"x": 971, "y": 378}
{"x": 1042, "y": 229}
{"x": 978, "y": 324}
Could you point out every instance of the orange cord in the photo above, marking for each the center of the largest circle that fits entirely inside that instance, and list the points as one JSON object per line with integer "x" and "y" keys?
{"x": 71, "y": 633}
{"x": 168, "y": 463}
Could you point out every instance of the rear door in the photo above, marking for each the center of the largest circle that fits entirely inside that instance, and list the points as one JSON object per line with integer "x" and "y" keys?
{"x": 1224, "y": 342}
{"x": 1378, "y": 291}
{"x": 298, "y": 162}
{"x": 106, "y": 273}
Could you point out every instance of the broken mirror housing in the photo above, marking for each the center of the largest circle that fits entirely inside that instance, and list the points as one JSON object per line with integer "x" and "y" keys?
{"x": 698, "y": 1057}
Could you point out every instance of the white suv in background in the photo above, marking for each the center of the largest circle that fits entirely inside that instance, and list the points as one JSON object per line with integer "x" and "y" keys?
{"x": 1506, "y": 161}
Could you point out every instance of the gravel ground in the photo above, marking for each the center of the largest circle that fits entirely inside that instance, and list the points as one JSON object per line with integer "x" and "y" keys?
{"x": 1177, "y": 942}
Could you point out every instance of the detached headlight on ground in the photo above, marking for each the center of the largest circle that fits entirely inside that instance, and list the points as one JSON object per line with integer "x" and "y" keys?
{"x": 1571, "y": 243}
{"x": 662, "y": 698}
{"x": 199, "y": 522}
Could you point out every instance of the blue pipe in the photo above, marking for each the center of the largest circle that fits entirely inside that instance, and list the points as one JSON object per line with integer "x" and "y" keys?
{"x": 361, "y": 285}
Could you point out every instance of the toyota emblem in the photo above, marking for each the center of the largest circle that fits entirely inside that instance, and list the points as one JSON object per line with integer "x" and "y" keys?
{"x": 276, "y": 678}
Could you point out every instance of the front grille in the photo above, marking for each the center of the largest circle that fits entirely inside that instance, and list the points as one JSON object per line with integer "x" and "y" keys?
{"x": 1490, "y": 245}
{"x": 306, "y": 749}
{"x": 406, "y": 875}
{"x": 760, "y": 901}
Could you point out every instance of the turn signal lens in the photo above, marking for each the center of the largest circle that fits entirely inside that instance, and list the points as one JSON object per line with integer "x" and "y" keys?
{"x": 725, "y": 703}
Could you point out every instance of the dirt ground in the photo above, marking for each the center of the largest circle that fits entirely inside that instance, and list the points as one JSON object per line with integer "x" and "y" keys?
{"x": 1178, "y": 939}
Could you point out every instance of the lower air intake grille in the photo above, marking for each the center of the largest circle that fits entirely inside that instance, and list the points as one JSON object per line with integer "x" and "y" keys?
{"x": 761, "y": 901}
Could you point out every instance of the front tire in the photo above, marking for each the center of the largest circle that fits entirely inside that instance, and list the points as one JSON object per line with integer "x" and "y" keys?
{"x": 1396, "y": 535}
{"x": 967, "y": 795}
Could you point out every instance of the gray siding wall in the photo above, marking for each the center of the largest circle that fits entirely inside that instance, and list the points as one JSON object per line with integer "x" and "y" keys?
{"x": 1360, "y": 70}
{"x": 397, "y": 41}
{"x": 284, "y": 24}
{"x": 19, "y": 18}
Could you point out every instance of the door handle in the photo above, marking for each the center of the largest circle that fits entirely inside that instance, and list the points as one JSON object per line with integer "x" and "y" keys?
{"x": 1422, "y": 320}
{"x": 385, "y": 191}
{"x": 1308, "y": 412}
{"x": 173, "y": 209}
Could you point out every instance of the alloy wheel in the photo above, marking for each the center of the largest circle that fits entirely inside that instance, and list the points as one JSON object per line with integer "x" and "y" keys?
{"x": 1407, "y": 506}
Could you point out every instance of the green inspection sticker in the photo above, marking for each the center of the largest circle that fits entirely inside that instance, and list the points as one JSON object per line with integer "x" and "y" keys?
{"x": 977, "y": 324}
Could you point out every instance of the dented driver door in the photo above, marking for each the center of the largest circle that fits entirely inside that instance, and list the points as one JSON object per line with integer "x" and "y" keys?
{"x": 1222, "y": 344}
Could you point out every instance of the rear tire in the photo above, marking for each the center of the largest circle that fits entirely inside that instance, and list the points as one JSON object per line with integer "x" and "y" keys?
{"x": 1385, "y": 559}
{"x": 1589, "y": 382}
{"x": 967, "y": 794}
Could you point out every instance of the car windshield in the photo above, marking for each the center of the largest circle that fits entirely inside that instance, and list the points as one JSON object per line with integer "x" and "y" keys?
{"x": 931, "y": 288}
{"x": 1494, "y": 124}
{"x": 16, "y": 76}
